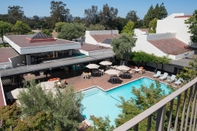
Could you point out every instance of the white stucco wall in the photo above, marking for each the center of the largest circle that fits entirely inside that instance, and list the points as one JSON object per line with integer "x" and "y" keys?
{"x": 138, "y": 32}
{"x": 143, "y": 45}
{"x": 177, "y": 25}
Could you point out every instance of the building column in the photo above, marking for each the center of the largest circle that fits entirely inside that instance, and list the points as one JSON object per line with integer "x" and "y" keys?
{"x": 28, "y": 60}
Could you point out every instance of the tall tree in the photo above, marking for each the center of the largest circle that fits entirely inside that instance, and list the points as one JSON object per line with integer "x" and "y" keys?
{"x": 192, "y": 22}
{"x": 59, "y": 25}
{"x": 59, "y": 13}
{"x": 158, "y": 12}
{"x": 21, "y": 28}
{"x": 122, "y": 46}
{"x": 91, "y": 15}
{"x": 108, "y": 16}
{"x": 4, "y": 28}
{"x": 132, "y": 16}
{"x": 120, "y": 23}
{"x": 64, "y": 105}
{"x": 149, "y": 16}
{"x": 128, "y": 28}
{"x": 15, "y": 13}
{"x": 152, "y": 26}
{"x": 72, "y": 31}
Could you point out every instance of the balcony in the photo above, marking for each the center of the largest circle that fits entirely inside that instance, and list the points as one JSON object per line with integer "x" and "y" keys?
{"x": 181, "y": 114}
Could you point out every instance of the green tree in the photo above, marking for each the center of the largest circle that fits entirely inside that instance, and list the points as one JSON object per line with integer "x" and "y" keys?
{"x": 91, "y": 16}
{"x": 149, "y": 16}
{"x": 128, "y": 28}
{"x": 47, "y": 32}
{"x": 21, "y": 28}
{"x": 152, "y": 26}
{"x": 158, "y": 12}
{"x": 132, "y": 16}
{"x": 15, "y": 13}
{"x": 59, "y": 13}
{"x": 145, "y": 98}
{"x": 59, "y": 25}
{"x": 120, "y": 23}
{"x": 192, "y": 22}
{"x": 72, "y": 31}
{"x": 108, "y": 16}
{"x": 122, "y": 46}
{"x": 4, "y": 28}
{"x": 64, "y": 105}
{"x": 100, "y": 124}
{"x": 96, "y": 27}
{"x": 9, "y": 116}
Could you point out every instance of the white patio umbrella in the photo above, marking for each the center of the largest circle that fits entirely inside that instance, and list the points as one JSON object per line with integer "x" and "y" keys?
{"x": 112, "y": 72}
{"x": 92, "y": 66}
{"x": 105, "y": 63}
{"x": 14, "y": 93}
{"x": 123, "y": 68}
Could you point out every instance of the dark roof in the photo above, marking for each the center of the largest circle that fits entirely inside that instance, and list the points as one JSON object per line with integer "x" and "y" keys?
{"x": 170, "y": 46}
{"x": 107, "y": 41}
{"x": 144, "y": 29}
{"x": 6, "y": 53}
{"x": 91, "y": 47}
{"x": 39, "y": 35}
{"x": 21, "y": 41}
{"x": 184, "y": 16}
{"x": 101, "y": 38}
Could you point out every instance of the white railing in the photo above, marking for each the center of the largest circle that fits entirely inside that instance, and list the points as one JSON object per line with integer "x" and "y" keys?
{"x": 188, "y": 111}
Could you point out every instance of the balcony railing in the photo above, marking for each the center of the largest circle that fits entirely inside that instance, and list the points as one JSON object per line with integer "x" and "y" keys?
{"x": 182, "y": 112}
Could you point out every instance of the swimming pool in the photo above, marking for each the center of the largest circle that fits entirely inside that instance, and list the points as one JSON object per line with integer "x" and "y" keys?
{"x": 100, "y": 103}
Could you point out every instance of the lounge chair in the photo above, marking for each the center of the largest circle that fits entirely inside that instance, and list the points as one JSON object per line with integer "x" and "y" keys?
{"x": 164, "y": 76}
{"x": 171, "y": 79}
{"x": 157, "y": 74}
{"x": 179, "y": 81}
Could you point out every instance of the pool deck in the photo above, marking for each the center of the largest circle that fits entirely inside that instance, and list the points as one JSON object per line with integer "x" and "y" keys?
{"x": 79, "y": 83}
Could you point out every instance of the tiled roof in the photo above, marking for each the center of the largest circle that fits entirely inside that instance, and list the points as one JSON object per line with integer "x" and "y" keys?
{"x": 6, "y": 53}
{"x": 143, "y": 29}
{"x": 101, "y": 38}
{"x": 21, "y": 41}
{"x": 91, "y": 47}
{"x": 170, "y": 46}
{"x": 184, "y": 16}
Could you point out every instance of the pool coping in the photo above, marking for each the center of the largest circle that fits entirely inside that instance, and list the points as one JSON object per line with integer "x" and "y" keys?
{"x": 96, "y": 86}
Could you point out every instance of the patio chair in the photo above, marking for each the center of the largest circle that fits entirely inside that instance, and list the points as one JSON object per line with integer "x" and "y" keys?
{"x": 171, "y": 79}
{"x": 179, "y": 81}
{"x": 164, "y": 76}
{"x": 157, "y": 74}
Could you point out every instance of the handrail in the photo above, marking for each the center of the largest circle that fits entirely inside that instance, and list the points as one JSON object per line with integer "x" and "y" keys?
{"x": 134, "y": 121}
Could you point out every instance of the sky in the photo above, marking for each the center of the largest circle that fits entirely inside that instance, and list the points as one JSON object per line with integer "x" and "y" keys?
{"x": 42, "y": 7}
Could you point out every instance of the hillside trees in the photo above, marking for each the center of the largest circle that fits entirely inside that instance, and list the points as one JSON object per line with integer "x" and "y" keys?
{"x": 91, "y": 16}
{"x": 15, "y": 13}
{"x": 59, "y": 13}
{"x": 72, "y": 31}
{"x": 108, "y": 16}
{"x": 21, "y": 28}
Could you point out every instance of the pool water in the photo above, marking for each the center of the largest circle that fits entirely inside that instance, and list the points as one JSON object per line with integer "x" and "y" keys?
{"x": 100, "y": 103}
